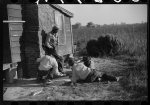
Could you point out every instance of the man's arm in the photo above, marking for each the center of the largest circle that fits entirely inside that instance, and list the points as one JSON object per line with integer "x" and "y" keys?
{"x": 47, "y": 42}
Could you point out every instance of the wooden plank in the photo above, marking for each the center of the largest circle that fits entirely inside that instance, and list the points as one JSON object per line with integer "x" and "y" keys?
{"x": 16, "y": 58}
{"x": 16, "y": 33}
{"x": 15, "y": 38}
{"x": 14, "y": 13}
{"x": 15, "y": 44}
{"x": 15, "y": 27}
{"x": 13, "y": 21}
{"x": 15, "y": 50}
{"x": 14, "y": 6}
{"x": 14, "y": 18}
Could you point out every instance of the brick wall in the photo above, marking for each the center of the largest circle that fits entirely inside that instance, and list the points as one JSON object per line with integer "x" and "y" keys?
{"x": 30, "y": 39}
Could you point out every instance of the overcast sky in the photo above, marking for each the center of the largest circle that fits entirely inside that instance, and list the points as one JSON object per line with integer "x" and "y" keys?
{"x": 107, "y": 13}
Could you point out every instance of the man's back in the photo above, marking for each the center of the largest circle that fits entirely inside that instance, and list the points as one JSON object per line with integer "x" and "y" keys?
{"x": 80, "y": 71}
{"x": 47, "y": 62}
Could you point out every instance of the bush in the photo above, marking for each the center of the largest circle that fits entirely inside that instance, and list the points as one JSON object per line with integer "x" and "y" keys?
{"x": 92, "y": 48}
{"x": 107, "y": 45}
{"x": 82, "y": 52}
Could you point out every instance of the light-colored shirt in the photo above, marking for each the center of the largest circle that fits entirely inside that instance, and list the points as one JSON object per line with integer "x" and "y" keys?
{"x": 51, "y": 40}
{"x": 47, "y": 62}
{"x": 92, "y": 66}
{"x": 79, "y": 72}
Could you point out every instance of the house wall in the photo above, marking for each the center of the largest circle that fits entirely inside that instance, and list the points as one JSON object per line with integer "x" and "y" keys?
{"x": 46, "y": 20}
{"x": 39, "y": 20}
{"x": 67, "y": 48}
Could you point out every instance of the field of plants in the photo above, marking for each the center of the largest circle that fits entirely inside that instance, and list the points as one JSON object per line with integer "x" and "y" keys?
{"x": 132, "y": 36}
{"x": 132, "y": 49}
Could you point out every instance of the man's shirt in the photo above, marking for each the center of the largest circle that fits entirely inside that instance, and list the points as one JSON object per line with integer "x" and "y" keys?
{"x": 79, "y": 71}
{"x": 48, "y": 62}
{"x": 51, "y": 40}
{"x": 92, "y": 65}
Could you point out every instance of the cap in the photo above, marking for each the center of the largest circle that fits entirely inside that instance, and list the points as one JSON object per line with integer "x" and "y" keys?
{"x": 55, "y": 28}
{"x": 85, "y": 58}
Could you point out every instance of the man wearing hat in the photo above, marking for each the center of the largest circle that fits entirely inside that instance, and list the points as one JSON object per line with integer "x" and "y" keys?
{"x": 88, "y": 62}
{"x": 82, "y": 73}
{"x": 50, "y": 44}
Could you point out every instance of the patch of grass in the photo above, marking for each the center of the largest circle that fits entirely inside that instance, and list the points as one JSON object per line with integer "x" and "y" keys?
{"x": 133, "y": 50}
{"x": 136, "y": 77}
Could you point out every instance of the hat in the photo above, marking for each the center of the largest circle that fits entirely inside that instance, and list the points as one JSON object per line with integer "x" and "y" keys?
{"x": 70, "y": 56}
{"x": 55, "y": 28}
{"x": 86, "y": 58}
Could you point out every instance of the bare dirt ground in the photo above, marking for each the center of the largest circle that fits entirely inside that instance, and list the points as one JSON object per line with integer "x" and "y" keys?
{"x": 60, "y": 89}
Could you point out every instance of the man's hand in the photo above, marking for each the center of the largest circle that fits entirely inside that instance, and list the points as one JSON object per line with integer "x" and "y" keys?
{"x": 73, "y": 84}
{"x": 49, "y": 46}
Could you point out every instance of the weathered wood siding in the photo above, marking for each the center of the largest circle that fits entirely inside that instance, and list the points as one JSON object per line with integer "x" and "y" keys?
{"x": 12, "y": 37}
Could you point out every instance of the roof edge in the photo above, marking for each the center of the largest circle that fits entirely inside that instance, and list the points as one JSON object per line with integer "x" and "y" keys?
{"x": 62, "y": 10}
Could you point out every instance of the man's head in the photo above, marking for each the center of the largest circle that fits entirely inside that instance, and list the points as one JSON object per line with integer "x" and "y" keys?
{"x": 55, "y": 29}
{"x": 87, "y": 61}
{"x": 70, "y": 60}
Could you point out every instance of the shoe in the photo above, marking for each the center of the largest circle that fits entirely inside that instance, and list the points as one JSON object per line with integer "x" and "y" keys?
{"x": 62, "y": 72}
{"x": 118, "y": 78}
{"x": 60, "y": 75}
{"x": 48, "y": 81}
{"x": 99, "y": 79}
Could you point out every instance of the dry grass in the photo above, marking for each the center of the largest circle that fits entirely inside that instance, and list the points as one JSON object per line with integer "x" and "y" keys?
{"x": 133, "y": 50}
{"x": 133, "y": 37}
{"x": 129, "y": 88}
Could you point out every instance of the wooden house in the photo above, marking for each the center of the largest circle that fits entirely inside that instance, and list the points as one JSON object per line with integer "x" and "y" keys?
{"x": 25, "y": 26}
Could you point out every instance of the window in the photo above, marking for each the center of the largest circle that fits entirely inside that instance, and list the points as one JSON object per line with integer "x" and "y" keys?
{"x": 59, "y": 21}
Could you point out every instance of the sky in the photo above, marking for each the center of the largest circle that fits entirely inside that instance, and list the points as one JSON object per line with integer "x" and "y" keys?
{"x": 107, "y": 13}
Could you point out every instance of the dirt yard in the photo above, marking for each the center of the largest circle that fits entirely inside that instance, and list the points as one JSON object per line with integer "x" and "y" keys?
{"x": 60, "y": 89}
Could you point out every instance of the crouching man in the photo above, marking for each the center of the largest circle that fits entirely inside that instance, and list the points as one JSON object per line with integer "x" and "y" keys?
{"x": 49, "y": 64}
{"x": 82, "y": 73}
